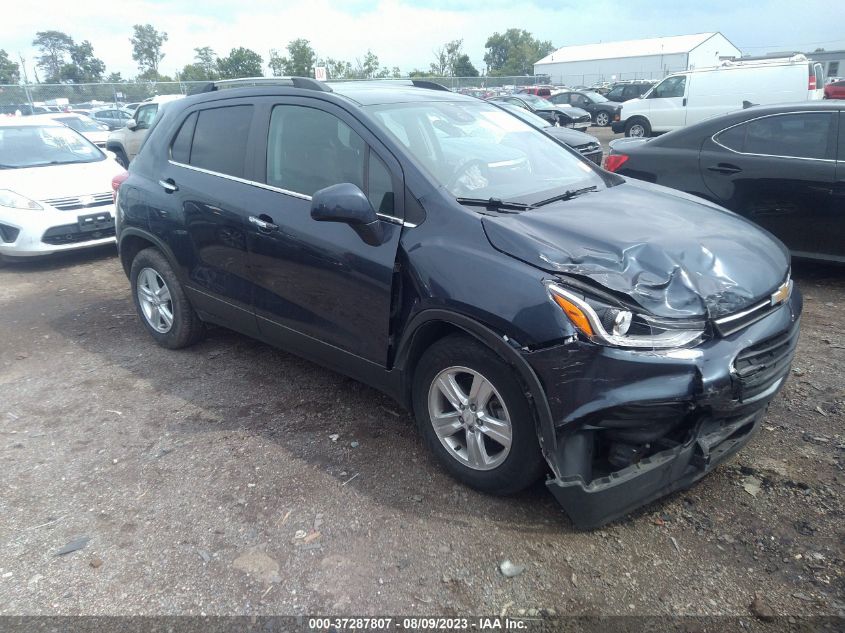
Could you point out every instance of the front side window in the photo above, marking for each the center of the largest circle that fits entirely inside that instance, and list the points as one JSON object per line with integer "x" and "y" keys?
{"x": 803, "y": 135}
{"x": 478, "y": 150}
{"x": 34, "y": 146}
{"x": 220, "y": 139}
{"x": 145, "y": 115}
{"x": 309, "y": 149}
{"x": 670, "y": 87}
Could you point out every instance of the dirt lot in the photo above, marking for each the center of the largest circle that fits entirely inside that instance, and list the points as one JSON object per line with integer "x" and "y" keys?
{"x": 207, "y": 481}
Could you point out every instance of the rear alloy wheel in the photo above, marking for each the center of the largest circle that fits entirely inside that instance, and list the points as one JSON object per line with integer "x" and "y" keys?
{"x": 602, "y": 119}
{"x": 472, "y": 411}
{"x": 161, "y": 303}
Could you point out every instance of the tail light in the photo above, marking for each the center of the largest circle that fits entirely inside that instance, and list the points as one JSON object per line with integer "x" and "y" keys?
{"x": 614, "y": 161}
{"x": 116, "y": 182}
{"x": 812, "y": 79}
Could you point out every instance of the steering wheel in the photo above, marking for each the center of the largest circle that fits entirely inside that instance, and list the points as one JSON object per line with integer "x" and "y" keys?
{"x": 474, "y": 168}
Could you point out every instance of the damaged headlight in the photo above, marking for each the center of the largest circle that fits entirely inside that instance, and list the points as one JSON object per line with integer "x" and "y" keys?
{"x": 611, "y": 325}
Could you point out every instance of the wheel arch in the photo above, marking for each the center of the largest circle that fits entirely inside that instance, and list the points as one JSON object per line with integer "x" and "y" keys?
{"x": 132, "y": 241}
{"x": 431, "y": 325}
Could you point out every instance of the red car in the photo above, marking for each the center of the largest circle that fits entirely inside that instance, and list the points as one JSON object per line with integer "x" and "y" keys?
{"x": 835, "y": 90}
{"x": 540, "y": 91}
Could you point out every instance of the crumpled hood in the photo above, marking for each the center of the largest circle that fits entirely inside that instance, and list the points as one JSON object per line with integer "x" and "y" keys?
{"x": 673, "y": 254}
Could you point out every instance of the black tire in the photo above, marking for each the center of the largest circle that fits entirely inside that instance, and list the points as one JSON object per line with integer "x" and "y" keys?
{"x": 186, "y": 327}
{"x": 121, "y": 158}
{"x": 524, "y": 463}
{"x": 602, "y": 119}
{"x": 635, "y": 124}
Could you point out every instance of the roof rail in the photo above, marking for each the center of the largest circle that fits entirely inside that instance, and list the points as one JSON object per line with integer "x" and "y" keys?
{"x": 430, "y": 85}
{"x": 306, "y": 83}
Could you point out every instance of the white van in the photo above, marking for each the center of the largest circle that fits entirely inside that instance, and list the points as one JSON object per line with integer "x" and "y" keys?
{"x": 685, "y": 98}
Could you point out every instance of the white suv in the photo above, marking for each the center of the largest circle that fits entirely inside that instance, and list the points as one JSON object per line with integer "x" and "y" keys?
{"x": 126, "y": 141}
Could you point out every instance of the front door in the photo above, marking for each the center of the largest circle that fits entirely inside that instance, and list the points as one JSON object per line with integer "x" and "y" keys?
{"x": 667, "y": 104}
{"x": 778, "y": 171}
{"x": 319, "y": 288}
{"x": 144, "y": 117}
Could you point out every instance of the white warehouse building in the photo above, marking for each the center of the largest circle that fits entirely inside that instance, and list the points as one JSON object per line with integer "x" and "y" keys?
{"x": 635, "y": 59}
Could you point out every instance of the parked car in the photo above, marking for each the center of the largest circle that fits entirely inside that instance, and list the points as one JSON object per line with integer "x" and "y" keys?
{"x": 835, "y": 90}
{"x": 540, "y": 91}
{"x": 625, "y": 90}
{"x": 95, "y": 132}
{"x": 126, "y": 141}
{"x": 775, "y": 165}
{"x": 547, "y": 317}
{"x": 602, "y": 111}
{"x": 55, "y": 190}
{"x": 565, "y": 116}
{"x": 115, "y": 118}
{"x": 22, "y": 109}
{"x": 689, "y": 97}
{"x": 588, "y": 146}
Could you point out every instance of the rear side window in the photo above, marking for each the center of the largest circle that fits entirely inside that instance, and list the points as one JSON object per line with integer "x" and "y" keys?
{"x": 803, "y": 135}
{"x": 309, "y": 149}
{"x": 220, "y": 139}
{"x": 180, "y": 150}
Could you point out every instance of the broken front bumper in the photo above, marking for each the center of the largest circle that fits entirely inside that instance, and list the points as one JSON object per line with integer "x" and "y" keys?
{"x": 632, "y": 426}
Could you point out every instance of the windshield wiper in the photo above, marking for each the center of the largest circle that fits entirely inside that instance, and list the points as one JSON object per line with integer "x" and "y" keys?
{"x": 495, "y": 204}
{"x": 566, "y": 195}
{"x": 2, "y": 166}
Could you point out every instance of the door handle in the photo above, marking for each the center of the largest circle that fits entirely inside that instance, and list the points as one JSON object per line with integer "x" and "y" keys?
{"x": 724, "y": 168}
{"x": 264, "y": 223}
{"x": 168, "y": 185}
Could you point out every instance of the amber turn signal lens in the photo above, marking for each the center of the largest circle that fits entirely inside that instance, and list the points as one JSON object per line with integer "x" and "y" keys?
{"x": 578, "y": 318}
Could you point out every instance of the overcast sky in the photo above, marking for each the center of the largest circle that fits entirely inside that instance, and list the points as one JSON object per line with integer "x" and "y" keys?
{"x": 404, "y": 32}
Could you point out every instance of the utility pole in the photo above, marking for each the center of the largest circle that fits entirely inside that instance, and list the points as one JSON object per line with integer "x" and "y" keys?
{"x": 25, "y": 81}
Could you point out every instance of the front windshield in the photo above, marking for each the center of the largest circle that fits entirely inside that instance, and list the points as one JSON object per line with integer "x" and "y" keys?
{"x": 476, "y": 150}
{"x": 525, "y": 115}
{"x": 82, "y": 124}
{"x": 36, "y": 146}
{"x": 595, "y": 97}
{"x": 535, "y": 102}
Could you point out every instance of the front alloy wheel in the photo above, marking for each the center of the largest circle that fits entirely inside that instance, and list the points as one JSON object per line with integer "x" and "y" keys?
{"x": 602, "y": 119}
{"x": 470, "y": 418}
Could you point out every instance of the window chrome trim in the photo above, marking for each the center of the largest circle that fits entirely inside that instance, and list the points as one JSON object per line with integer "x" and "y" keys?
{"x": 387, "y": 218}
{"x": 769, "y": 116}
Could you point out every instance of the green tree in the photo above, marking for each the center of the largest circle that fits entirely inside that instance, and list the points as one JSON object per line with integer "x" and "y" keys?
{"x": 514, "y": 52}
{"x": 9, "y": 71}
{"x": 204, "y": 67}
{"x": 115, "y": 78}
{"x": 462, "y": 67}
{"x": 300, "y": 61}
{"x": 337, "y": 68}
{"x": 370, "y": 68}
{"x": 54, "y": 46}
{"x": 240, "y": 62}
{"x": 83, "y": 66}
{"x": 146, "y": 49}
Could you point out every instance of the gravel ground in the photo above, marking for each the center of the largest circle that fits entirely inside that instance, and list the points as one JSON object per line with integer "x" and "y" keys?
{"x": 233, "y": 478}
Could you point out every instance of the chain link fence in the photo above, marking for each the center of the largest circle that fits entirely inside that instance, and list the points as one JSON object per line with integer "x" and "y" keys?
{"x": 91, "y": 95}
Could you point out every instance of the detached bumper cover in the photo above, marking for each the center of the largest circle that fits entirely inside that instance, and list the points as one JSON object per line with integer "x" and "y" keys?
{"x": 608, "y": 498}
{"x": 631, "y": 427}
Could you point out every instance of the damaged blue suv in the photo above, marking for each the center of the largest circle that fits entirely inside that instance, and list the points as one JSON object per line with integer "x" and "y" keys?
{"x": 539, "y": 316}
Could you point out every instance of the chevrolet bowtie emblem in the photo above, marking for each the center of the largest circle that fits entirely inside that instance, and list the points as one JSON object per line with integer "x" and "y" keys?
{"x": 782, "y": 294}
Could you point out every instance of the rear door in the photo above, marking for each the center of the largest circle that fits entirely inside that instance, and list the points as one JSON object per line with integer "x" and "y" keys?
{"x": 779, "y": 172}
{"x": 667, "y": 104}
{"x": 320, "y": 290}
{"x": 208, "y": 200}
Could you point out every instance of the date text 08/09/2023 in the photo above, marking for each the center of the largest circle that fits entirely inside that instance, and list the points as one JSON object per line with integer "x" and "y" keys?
{"x": 430, "y": 623}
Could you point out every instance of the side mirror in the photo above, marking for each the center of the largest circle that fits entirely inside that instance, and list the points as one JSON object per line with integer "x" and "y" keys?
{"x": 131, "y": 124}
{"x": 347, "y": 203}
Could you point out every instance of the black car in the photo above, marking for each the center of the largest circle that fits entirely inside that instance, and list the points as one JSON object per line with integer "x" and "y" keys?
{"x": 625, "y": 90}
{"x": 779, "y": 166}
{"x": 564, "y": 116}
{"x": 588, "y": 146}
{"x": 602, "y": 110}
{"x": 538, "y": 314}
